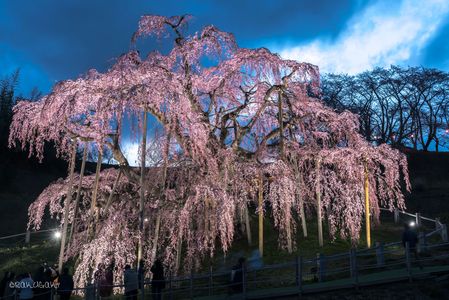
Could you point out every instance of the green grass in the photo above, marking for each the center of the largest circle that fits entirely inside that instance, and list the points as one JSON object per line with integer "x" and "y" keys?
{"x": 385, "y": 232}
{"x": 28, "y": 259}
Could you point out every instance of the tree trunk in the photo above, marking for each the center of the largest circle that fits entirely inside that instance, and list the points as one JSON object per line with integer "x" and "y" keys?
{"x": 78, "y": 192}
{"x": 281, "y": 125}
{"x": 142, "y": 186}
{"x": 318, "y": 202}
{"x": 66, "y": 208}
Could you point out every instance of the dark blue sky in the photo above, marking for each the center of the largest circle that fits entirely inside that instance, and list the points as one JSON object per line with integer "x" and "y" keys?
{"x": 52, "y": 40}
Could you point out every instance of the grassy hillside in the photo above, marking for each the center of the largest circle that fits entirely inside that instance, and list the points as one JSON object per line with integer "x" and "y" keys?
{"x": 22, "y": 179}
{"x": 429, "y": 174}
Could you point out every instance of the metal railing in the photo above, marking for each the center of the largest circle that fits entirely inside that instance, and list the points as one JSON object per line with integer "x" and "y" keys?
{"x": 28, "y": 237}
{"x": 352, "y": 269}
{"x": 418, "y": 219}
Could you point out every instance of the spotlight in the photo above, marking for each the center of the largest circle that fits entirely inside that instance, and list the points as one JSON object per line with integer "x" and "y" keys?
{"x": 57, "y": 235}
{"x": 412, "y": 224}
{"x": 145, "y": 220}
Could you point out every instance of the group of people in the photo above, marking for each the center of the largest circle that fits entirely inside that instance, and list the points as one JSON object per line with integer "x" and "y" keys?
{"x": 47, "y": 281}
{"x": 133, "y": 280}
{"x": 40, "y": 286}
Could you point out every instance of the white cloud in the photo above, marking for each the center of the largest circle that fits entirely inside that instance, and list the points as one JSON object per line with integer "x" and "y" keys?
{"x": 381, "y": 35}
{"x": 131, "y": 152}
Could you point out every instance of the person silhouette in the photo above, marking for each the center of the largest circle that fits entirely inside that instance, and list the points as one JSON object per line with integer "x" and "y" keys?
{"x": 158, "y": 281}
{"x": 65, "y": 287}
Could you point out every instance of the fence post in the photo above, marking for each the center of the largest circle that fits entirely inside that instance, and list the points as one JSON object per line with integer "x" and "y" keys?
{"x": 210, "y": 281}
{"x": 142, "y": 284}
{"x": 380, "y": 254}
{"x": 418, "y": 220}
{"x": 437, "y": 223}
{"x": 170, "y": 285}
{"x": 27, "y": 237}
{"x": 422, "y": 242}
{"x": 353, "y": 266}
{"x": 444, "y": 233}
{"x": 407, "y": 260}
{"x": 299, "y": 273}
{"x": 396, "y": 215}
{"x": 191, "y": 284}
{"x": 321, "y": 267}
{"x": 244, "y": 280}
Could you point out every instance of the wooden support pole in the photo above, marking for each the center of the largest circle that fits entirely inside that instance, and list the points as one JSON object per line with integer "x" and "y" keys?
{"x": 248, "y": 226}
{"x": 97, "y": 180}
{"x": 302, "y": 213}
{"x": 114, "y": 188}
{"x": 164, "y": 185}
{"x": 156, "y": 237}
{"x": 66, "y": 209}
{"x": 142, "y": 186}
{"x": 289, "y": 236}
{"x": 303, "y": 216}
{"x": 318, "y": 203}
{"x": 93, "y": 205}
{"x": 260, "y": 209}
{"x": 367, "y": 209}
{"x": 178, "y": 253}
{"x": 396, "y": 215}
{"x": 78, "y": 192}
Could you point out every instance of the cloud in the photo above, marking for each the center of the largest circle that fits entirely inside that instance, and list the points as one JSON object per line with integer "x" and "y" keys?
{"x": 380, "y": 35}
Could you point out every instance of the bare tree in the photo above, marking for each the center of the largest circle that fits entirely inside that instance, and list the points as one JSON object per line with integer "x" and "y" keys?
{"x": 402, "y": 107}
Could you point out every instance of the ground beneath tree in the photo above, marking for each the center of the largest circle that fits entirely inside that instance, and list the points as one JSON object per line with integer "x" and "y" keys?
{"x": 432, "y": 288}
